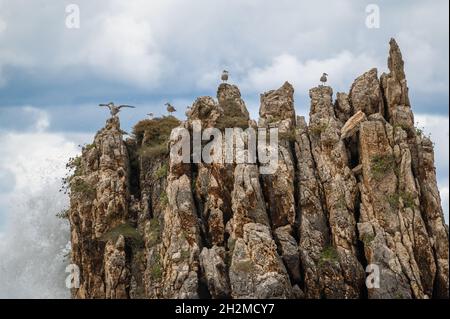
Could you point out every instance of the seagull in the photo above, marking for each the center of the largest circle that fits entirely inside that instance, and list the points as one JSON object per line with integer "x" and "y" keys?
{"x": 114, "y": 110}
{"x": 150, "y": 115}
{"x": 224, "y": 76}
{"x": 170, "y": 108}
{"x": 323, "y": 78}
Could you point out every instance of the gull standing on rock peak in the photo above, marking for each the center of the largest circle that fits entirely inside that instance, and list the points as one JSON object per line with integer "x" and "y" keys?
{"x": 170, "y": 108}
{"x": 224, "y": 76}
{"x": 323, "y": 79}
{"x": 114, "y": 110}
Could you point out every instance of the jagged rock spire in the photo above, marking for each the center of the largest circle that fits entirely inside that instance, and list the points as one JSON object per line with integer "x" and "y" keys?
{"x": 353, "y": 191}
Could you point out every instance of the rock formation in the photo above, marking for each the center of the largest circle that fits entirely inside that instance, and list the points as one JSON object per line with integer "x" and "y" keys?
{"x": 352, "y": 209}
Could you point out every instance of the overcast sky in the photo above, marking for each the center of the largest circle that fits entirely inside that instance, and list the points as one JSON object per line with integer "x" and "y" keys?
{"x": 145, "y": 53}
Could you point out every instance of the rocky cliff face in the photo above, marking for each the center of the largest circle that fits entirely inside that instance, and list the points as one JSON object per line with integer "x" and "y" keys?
{"x": 352, "y": 210}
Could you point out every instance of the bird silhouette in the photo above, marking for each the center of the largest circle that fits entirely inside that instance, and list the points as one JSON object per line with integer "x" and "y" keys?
{"x": 113, "y": 109}
{"x": 150, "y": 115}
{"x": 224, "y": 76}
{"x": 323, "y": 78}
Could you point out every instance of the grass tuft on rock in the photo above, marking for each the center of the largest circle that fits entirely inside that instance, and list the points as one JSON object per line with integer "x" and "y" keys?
{"x": 82, "y": 187}
{"x": 163, "y": 199}
{"x": 162, "y": 171}
{"x": 127, "y": 231}
{"x": 232, "y": 117}
{"x": 381, "y": 165}
{"x": 318, "y": 129}
{"x": 153, "y": 135}
{"x": 328, "y": 254}
{"x": 156, "y": 270}
{"x": 153, "y": 232}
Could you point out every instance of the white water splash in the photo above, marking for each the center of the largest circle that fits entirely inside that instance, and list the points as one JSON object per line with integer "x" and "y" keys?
{"x": 33, "y": 247}
{"x": 33, "y": 241}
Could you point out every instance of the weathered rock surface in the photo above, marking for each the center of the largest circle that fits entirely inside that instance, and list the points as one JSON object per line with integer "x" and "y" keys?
{"x": 339, "y": 186}
{"x": 352, "y": 125}
{"x": 433, "y": 215}
{"x": 181, "y": 242}
{"x": 216, "y": 271}
{"x": 277, "y": 110}
{"x": 99, "y": 203}
{"x": 365, "y": 94}
{"x": 256, "y": 269}
{"x": 354, "y": 190}
{"x": 313, "y": 231}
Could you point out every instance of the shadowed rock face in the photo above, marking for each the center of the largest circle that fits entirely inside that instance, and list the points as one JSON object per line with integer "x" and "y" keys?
{"x": 354, "y": 190}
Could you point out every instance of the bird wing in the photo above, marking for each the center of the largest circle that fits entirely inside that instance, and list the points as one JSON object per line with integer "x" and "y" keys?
{"x": 107, "y": 105}
{"x": 121, "y": 106}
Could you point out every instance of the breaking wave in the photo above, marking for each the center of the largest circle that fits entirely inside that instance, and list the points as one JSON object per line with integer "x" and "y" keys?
{"x": 34, "y": 246}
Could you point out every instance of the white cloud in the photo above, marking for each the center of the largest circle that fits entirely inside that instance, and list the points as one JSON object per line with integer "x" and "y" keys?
{"x": 42, "y": 121}
{"x": 424, "y": 63}
{"x": 342, "y": 69}
{"x": 2, "y": 25}
{"x": 178, "y": 45}
{"x": 2, "y": 29}
{"x": 122, "y": 46}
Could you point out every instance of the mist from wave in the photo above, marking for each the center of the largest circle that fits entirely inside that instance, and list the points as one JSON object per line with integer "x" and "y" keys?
{"x": 34, "y": 242}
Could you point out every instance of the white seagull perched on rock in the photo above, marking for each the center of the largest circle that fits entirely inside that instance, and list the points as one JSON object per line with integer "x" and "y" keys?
{"x": 150, "y": 115}
{"x": 224, "y": 76}
{"x": 113, "y": 109}
{"x": 323, "y": 78}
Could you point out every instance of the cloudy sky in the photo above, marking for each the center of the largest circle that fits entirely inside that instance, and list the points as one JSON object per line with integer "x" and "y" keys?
{"x": 145, "y": 53}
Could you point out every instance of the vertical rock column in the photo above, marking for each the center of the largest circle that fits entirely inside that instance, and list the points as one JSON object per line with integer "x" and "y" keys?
{"x": 313, "y": 222}
{"x": 339, "y": 185}
{"x": 277, "y": 111}
{"x": 408, "y": 197}
{"x": 434, "y": 216}
{"x": 256, "y": 269}
{"x": 381, "y": 226}
{"x": 98, "y": 207}
{"x": 177, "y": 264}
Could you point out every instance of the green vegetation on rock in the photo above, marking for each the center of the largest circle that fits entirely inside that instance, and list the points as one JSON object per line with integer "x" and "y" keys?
{"x": 161, "y": 172}
{"x": 328, "y": 254}
{"x": 318, "y": 128}
{"x": 381, "y": 165}
{"x": 155, "y": 267}
{"x": 232, "y": 117}
{"x": 153, "y": 232}
{"x": 80, "y": 186}
{"x": 127, "y": 231}
{"x": 407, "y": 198}
{"x": 157, "y": 133}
